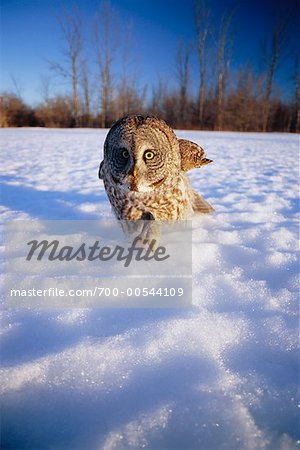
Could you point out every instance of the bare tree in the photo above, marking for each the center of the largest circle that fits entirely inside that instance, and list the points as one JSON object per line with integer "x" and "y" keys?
{"x": 86, "y": 89}
{"x": 202, "y": 28}
{"x": 159, "y": 92}
{"x": 14, "y": 112}
{"x": 272, "y": 57}
{"x": 125, "y": 81}
{"x": 105, "y": 46}
{"x": 224, "y": 54}
{"x": 45, "y": 86}
{"x": 183, "y": 76}
{"x": 18, "y": 86}
{"x": 57, "y": 112}
{"x": 297, "y": 91}
{"x": 242, "y": 102}
{"x": 3, "y": 112}
{"x": 71, "y": 28}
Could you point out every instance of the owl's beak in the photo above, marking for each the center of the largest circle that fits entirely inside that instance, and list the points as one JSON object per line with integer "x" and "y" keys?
{"x": 134, "y": 183}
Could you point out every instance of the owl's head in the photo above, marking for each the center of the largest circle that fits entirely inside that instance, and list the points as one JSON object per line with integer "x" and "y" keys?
{"x": 141, "y": 154}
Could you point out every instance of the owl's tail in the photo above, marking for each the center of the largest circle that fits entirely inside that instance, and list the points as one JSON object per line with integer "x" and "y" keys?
{"x": 200, "y": 205}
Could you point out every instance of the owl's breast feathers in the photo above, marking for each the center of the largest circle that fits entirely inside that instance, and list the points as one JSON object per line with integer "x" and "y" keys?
{"x": 173, "y": 202}
{"x": 192, "y": 155}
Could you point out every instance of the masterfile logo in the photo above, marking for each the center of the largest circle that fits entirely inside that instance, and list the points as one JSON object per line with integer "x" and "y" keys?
{"x": 137, "y": 250}
{"x": 95, "y": 264}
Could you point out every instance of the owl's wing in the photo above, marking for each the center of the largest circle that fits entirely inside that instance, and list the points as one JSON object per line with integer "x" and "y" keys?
{"x": 192, "y": 155}
{"x": 100, "y": 173}
{"x": 200, "y": 205}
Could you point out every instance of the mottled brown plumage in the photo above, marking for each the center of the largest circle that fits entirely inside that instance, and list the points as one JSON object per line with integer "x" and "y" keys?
{"x": 192, "y": 155}
{"x": 144, "y": 167}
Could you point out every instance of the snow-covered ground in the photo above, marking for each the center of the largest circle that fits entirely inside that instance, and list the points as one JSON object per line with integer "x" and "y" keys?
{"x": 222, "y": 375}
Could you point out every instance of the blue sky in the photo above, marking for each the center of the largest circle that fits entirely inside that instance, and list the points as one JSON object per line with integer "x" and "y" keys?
{"x": 30, "y": 36}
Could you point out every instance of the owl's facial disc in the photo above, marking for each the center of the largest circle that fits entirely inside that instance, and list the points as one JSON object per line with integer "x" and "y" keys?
{"x": 142, "y": 156}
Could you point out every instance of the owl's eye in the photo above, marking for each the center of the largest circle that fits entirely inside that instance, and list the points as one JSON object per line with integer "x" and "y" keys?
{"x": 149, "y": 154}
{"x": 125, "y": 153}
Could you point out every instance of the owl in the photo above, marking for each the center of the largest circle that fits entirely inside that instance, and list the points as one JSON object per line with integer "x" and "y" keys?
{"x": 144, "y": 169}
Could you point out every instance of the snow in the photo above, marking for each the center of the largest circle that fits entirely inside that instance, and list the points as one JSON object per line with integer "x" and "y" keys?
{"x": 223, "y": 374}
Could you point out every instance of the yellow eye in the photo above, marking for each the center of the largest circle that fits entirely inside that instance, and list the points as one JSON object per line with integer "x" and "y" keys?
{"x": 149, "y": 154}
{"x": 125, "y": 154}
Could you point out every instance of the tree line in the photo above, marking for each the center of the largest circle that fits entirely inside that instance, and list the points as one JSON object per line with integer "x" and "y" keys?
{"x": 98, "y": 97}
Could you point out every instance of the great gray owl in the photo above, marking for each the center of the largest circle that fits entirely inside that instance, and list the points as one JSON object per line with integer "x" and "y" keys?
{"x": 144, "y": 169}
